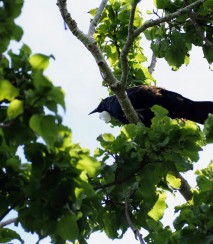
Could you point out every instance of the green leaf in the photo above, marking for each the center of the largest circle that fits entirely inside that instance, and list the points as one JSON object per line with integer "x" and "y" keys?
{"x": 161, "y": 4}
{"x": 7, "y": 91}
{"x": 109, "y": 221}
{"x": 25, "y": 50}
{"x": 173, "y": 181}
{"x": 159, "y": 111}
{"x": 108, "y": 137}
{"x": 42, "y": 83}
{"x": 208, "y": 129}
{"x": 208, "y": 4}
{"x": 13, "y": 162}
{"x": 68, "y": 228}
{"x": 208, "y": 53}
{"x": 15, "y": 109}
{"x": 7, "y": 235}
{"x": 158, "y": 209}
{"x": 93, "y": 12}
{"x": 46, "y": 127}
{"x": 39, "y": 61}
{"x": 57, "y": 94}
{"x": 89, "y": 164}
{"x": 17, "y": 32}
{"x": 174, "y": 57}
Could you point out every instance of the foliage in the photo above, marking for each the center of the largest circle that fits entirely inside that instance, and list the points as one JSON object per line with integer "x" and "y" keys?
{"x": 195, "y": 221}
{"x": 134, "y": 156}
{"x": 173, "y": 41}
{"x": 111, "y": 35}
{"x": 36, "y": 150}
{"x": 136, "y": 168}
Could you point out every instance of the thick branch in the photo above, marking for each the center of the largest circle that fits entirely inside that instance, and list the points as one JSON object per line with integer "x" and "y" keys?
{"x": 104, "y": 68}
{"x": 97, "y": 17}
{"x": 7, "y": 222}
{"x": 185, "y": 188}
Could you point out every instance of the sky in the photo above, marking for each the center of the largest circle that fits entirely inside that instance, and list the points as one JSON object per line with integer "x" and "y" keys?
{"x": 75, "y": 70}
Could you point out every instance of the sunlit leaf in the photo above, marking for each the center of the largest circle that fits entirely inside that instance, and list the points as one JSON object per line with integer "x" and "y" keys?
{"x": 89, "y": 164}
{"x": 7, "y": 90}
{"x": 158, "y": 209}
{"x": 173, "y": 181}
{"x": 15, "y": 109}
{"x": 108, "y": 137}
{"x": 39, "y": 61}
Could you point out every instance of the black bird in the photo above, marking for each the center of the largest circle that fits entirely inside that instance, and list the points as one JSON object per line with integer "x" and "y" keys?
{"x": 144, "y": 97}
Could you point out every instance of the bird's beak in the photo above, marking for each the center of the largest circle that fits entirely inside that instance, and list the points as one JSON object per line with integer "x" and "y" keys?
{"x": 94, "y": 111}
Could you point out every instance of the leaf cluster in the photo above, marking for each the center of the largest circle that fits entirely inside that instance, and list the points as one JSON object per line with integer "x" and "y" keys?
{"x": 144, "y": 162}
{"x": 173, "y": 40}
{"x": 111, "y": 35}
{"x": 194, "y": 222}
{"x": 43, "y": 175}
{"x": 9, "y": 10}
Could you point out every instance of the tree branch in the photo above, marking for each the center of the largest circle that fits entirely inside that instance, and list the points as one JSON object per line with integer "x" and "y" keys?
{"x": 97, "y": 17}
{"x": 167, "y": 18}
{"x": 6, "y": 125}
{"x": 7, "y": 222}
{"x": 104, "y": 68}
{"x": 199, "y": 30}
{"x": 120, "y": 181}
{"x": 152, "y": 65}
{"x": 159, "y": 21}
{"x": 125, "y": 50}
{"x": 185, "y": 188}
{"x": 137, "y": 233}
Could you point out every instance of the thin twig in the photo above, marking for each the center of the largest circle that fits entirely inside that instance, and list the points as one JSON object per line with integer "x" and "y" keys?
{"x": 7, "y": 222}
{"x": 125, "y": 50}
{"x": 120, "y": 181}
{"x": 167, "y": 18}
{"x": 6, "y": 125}
{"x": 153, "y": 62}
{"x": 97, "y": 17}
{"x": 137, "y": 233}
{"x": 152, "y": 65}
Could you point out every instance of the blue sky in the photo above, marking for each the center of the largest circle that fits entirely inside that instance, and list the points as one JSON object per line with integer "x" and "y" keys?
{"x": 76, "y": 72}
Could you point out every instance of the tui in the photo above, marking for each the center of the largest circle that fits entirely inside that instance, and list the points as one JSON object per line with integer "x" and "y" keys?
{"x": 144, "y": 97}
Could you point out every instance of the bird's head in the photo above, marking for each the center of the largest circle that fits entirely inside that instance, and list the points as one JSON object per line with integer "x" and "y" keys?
{"x": 103, "y": 110}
